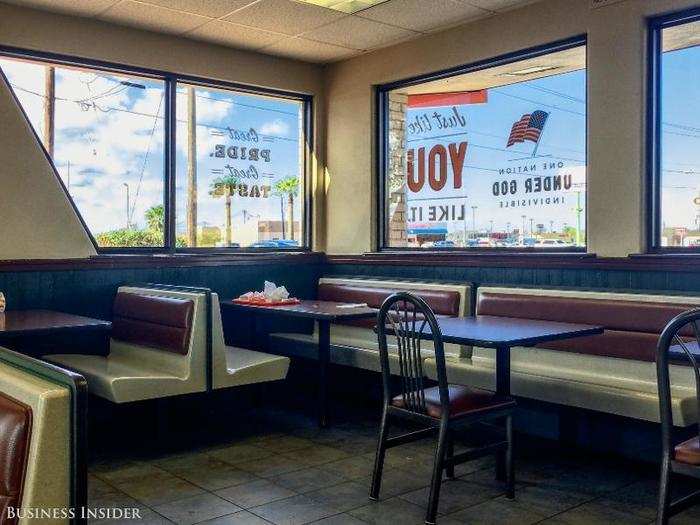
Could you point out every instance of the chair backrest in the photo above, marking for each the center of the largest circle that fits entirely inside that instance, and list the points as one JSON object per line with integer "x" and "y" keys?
{"x": 680, "y": 340}
{"x": 410, "y": 320}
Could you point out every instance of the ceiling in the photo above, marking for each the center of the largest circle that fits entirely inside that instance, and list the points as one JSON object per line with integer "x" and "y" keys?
{"x": 284, "y": 27}
{"x": 555, "y": 63}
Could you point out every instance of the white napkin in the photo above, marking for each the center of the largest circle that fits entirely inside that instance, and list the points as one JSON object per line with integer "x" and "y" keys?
{"x": 275, "y": 293}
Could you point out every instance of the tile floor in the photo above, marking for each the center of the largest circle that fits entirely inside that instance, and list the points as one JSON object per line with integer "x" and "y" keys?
{"x": 281, "y": 469}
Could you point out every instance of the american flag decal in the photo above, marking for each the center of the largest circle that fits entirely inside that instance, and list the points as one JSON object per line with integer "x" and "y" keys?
{"x": 529, "y": 127}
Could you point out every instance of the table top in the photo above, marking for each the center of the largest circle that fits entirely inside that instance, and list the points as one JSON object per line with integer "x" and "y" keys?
{"x": 37, "y": 322}
{"x": 677, "y": 355}
{"x": 319, "y": 310}
{"x": 492, "y": 332}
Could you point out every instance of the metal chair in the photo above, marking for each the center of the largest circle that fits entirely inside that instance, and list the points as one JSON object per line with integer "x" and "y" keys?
{"x": 679, "y": 341}
{"x": 410, "y": 320}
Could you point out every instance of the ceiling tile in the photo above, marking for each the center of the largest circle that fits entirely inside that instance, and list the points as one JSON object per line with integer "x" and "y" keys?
{"x": 358, "y": 33}
{"x": 498, "y": 5}
{"x": 419, "y": 15}
{"x": 228, "y": 34}
{"x": 150, "y": 17}
{"x": 90, "y": 8}
{"x": 284, "y": 16}
{"x": 309, "y": 50}
{"x": 212, "y": 8}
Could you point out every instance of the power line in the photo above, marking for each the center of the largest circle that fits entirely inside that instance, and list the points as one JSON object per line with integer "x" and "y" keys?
{"x": 540, "y": 103}
{"x": 145, "y": 160}
{"x": 108, "y": 109}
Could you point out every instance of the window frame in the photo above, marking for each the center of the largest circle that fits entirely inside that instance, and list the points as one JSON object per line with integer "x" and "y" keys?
{"x": 382, "y": 144}
{"x": 654, "y": 229}
{"x": 170, "y": 82}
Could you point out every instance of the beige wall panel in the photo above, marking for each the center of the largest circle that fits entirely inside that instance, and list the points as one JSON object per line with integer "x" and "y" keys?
{"x": 616, "y": 84}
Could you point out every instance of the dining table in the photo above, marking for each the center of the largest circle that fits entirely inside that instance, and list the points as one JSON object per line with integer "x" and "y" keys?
{"x": 20, "y": 325}
{"x": 324, "y": 313}
{"x": 503, "y": 334}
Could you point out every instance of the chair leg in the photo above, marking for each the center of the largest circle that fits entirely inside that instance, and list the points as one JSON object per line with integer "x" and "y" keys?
{"x": 510, "y": 467}
{"x": 450, "y": 469}
{"x": 379, "y": 457}
{"x": 662, "y": 512}
{"x": 440, "y": 450}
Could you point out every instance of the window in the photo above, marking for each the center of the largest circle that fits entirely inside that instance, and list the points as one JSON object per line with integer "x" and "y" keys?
{"x": 490, "y": 156}
{"x": 239, "y": 158}
{"x": 239, "y": 169}
{"x": 674, "y": 145}
{"x": 104, "y": 132}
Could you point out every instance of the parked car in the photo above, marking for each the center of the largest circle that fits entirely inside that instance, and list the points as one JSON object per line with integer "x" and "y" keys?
{"x": 276, "y": 243}
{"x": 444, "y": 244}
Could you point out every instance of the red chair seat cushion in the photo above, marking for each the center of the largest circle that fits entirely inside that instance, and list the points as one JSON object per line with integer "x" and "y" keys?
{"x": 689, "y": 451}
{"x": 464, "y": 401}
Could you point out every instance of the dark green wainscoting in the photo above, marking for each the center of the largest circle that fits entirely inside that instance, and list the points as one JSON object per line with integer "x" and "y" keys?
{"x": 90, "y": 292}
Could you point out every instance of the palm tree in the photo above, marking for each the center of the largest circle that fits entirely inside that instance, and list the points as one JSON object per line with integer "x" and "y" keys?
{"x": 288, "y": 186}
{"x": 155, "y": 218}
{"x": 225, "y": 187}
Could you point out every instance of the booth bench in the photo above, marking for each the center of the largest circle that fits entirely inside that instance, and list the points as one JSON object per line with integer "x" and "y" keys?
{"x": 43, "y": 442}
{"x": 168, "y": 341}
{"x": 613, "y": 373}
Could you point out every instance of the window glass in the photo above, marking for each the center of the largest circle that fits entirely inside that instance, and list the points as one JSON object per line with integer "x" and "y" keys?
{"x": 680, "y": 136}
{"x": 239, "y": 169}
{"x": 104, "y": 132}
{"x": 493, "y": 158}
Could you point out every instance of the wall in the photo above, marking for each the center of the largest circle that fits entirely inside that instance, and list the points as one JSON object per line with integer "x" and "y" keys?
{"x": 48, "y": 32}
{"x": 616, "y": 105}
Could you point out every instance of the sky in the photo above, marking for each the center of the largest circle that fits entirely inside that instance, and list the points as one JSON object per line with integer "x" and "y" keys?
{"x": 486, "y": 130}
{"x": 109, "y": 134}
{"x": 680, "y": 145}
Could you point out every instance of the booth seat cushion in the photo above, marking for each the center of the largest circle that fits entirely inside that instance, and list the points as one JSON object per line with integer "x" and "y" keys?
{"x": 631, "y": 327}
{"x": 15, "y": 433}
{"x": 614, "y": 386}
{"x": 155, "y": 321}
{"x": 122, "y": 380}
{"x": 244, "y": 367}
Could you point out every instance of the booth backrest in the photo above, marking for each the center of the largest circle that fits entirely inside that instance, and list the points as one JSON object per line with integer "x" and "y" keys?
{"x": 632, "y": 322}
{"x": 445, "y": 300}
{"x": 43, "y": 431}
{"x": 15, "y": 434}
{"x": 155, "y": 321}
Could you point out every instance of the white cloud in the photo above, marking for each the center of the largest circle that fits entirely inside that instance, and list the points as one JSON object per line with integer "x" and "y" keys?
{"x": 276, "y": 127}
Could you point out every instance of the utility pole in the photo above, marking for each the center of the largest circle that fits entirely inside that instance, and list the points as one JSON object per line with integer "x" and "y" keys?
{"x": 49, "y": 108}
{"x": 191, "y": 168}
{"x": 128, "y": 222}
{"x": 531, "y": 229}
{"x": 474, "y": 219}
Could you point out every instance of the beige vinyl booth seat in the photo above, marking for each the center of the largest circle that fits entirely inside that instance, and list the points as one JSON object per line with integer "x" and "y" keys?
{"x": 613, "y": 373}
{"x": 233, "y": 366}
{"x": 42, "y": 440}
{"x": 355, "y": 343}
{"x": 158, "y": 347}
